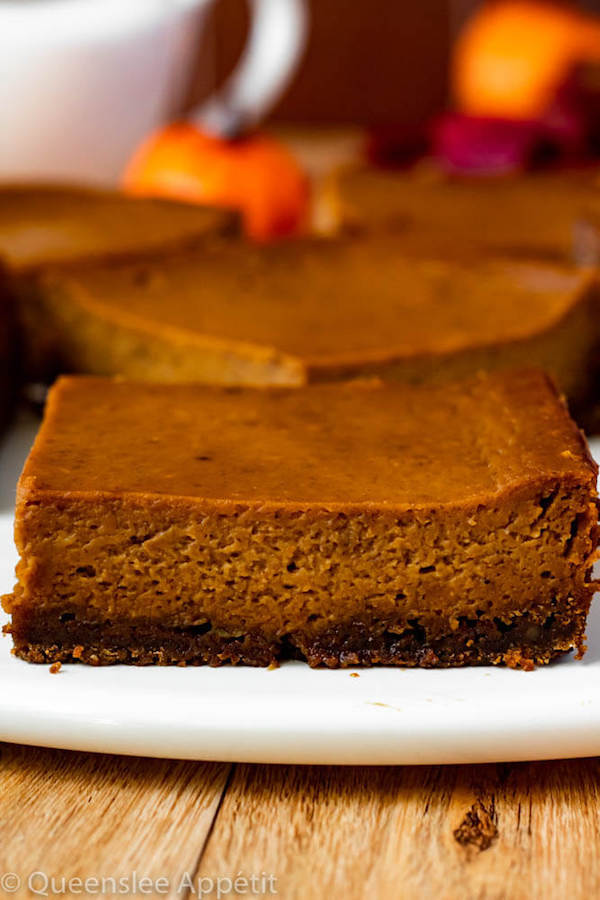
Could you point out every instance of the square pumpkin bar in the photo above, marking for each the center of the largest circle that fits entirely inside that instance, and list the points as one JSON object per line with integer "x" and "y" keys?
{"x": 55, "y": 223}
{"x": 58, "y": 224}
{"x": 547, "y": 215}
{"x": 313, "y": 311}
{"x": 348, "y": 524}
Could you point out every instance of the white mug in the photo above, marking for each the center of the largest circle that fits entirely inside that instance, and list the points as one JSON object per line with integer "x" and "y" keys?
{"x": 82, "y": 82}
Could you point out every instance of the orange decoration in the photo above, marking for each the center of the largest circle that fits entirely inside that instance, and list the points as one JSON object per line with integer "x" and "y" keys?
{"x": 513, "y": 55}
{"x": 256, "y": 175}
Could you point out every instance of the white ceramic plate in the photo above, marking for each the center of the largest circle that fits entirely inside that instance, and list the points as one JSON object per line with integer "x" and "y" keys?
{"x": 294, "y": 714}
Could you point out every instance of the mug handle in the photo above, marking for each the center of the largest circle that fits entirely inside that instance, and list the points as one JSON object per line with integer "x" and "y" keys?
{"x": 276, "y": 41}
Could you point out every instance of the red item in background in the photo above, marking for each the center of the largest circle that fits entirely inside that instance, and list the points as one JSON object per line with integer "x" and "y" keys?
{"x": 519, "y": 79}
{"x": 489, "y": 146}
{"x": 484, "y": 146}
{"x": 567, "y": 133}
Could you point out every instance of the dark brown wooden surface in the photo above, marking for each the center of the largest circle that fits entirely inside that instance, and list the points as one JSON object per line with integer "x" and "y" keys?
{"x": 367, "y": 61}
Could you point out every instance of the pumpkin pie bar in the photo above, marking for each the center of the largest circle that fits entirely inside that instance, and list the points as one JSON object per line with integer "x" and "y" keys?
{"x": 312, "y": 311}
{"x": 553, "y": 216}
{"x": 41, "y": 224}
{"x": 350, "y": 524}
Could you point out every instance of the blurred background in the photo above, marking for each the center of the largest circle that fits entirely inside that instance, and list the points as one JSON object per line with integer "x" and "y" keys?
{"x": 371, "y": 62}
{"x": 484, "y": 87}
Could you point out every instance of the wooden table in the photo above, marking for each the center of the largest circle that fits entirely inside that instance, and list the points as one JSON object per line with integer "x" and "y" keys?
{"x": 516, "y": 831}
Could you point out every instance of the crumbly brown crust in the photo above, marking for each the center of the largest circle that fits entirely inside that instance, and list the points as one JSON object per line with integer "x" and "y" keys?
{"x": 520, "y": 643}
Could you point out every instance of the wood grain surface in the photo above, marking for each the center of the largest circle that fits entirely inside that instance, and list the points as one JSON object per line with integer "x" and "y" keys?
{"x": 519, "y": 831}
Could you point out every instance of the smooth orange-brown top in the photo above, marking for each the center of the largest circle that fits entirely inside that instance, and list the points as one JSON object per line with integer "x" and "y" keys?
{"x": 330, "y": 302}
{"x": 387, "y": 446}
{"x": 548, "y": 215}
{"x": 42, "y": 223}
